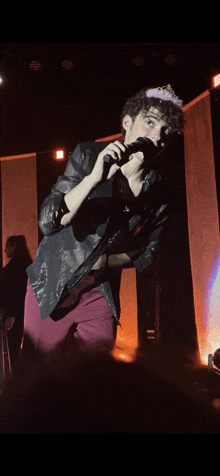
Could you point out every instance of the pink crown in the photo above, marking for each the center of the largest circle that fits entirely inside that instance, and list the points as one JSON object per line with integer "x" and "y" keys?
{"x": 165, "y": 93}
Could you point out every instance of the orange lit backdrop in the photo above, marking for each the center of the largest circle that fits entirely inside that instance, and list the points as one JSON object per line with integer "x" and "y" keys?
{"x": 203, "y": 222}
{"x": 19, "y": 200}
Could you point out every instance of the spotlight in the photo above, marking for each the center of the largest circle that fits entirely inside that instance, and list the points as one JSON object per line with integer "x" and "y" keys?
{"x": 214, "y": 359}
{"x": 59, "y": 154}
{"x": 216, "y": 81}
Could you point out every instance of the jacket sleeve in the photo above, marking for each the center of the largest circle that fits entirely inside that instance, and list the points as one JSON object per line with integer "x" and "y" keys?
{"x": 143, "y": 256}
{"x": 54, "y": 206}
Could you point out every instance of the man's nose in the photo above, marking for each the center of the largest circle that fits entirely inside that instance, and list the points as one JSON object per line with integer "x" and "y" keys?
{"x": 156, "y": 137}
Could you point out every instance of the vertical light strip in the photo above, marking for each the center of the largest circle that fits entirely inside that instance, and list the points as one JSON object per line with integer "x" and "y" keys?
{"x": 203, "y": 218}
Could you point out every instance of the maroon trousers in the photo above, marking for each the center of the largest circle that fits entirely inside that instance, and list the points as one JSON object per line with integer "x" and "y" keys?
{"x": 88, "y": 326}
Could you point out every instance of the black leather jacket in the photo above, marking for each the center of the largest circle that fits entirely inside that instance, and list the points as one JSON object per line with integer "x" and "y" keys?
{"x": 104, "y": 222}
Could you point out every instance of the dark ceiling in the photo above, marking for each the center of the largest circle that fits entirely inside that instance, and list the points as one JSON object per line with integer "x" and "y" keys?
{"x": 57, "y": 94}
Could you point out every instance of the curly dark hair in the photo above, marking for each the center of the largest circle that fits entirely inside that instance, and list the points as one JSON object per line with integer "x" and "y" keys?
{"x": 171, "y": 112}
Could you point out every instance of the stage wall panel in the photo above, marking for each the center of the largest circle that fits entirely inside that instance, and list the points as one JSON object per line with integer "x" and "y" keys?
{"x": 203, "y": 216}
{"x": 19, "y": 200}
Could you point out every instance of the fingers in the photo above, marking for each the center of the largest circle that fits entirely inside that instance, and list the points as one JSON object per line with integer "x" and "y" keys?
{"x": 112, "y": 170}
{"x": 137, "y": 155}
{"x": 100, "y": 171}
{"x": 115, "y": 149}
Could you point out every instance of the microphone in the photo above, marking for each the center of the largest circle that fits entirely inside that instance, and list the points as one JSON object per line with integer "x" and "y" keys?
{"x": 142, "y": 144}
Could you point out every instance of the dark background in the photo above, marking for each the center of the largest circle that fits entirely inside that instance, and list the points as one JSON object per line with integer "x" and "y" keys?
{"x": 55, "y": 95}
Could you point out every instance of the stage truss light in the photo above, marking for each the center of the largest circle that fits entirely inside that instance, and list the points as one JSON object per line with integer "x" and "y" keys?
{"x": 67, "y": 65}
{"x": 35, "y": 66}
{"x": 138, "y": 61}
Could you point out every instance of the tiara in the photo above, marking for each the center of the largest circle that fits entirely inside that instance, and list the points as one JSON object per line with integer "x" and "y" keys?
{"x": 166, "y": 93}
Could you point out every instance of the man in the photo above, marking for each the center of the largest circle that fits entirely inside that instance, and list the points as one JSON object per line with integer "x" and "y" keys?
{"x": 13, "y": 283}
{"x": 101, "y": 216}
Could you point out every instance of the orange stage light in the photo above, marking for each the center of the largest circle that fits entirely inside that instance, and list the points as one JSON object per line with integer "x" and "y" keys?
{"x": 216, "y": 80}
{"x": 59, "y": 154}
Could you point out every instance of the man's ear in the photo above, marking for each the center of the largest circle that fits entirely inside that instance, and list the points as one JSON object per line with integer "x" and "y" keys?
{"x": 127, "y": 122}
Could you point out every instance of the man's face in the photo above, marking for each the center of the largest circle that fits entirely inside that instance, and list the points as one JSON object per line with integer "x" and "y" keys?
{"x": 9, "y": 250}
{"x": 149, "y": 125}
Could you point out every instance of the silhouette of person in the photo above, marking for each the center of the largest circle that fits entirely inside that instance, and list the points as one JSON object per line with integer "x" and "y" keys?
{"x": 13, "y": 282}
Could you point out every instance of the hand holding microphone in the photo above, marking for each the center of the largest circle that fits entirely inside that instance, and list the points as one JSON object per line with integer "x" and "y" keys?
{"x": 117, "y": 154}
{"x": 142, "y": 144}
